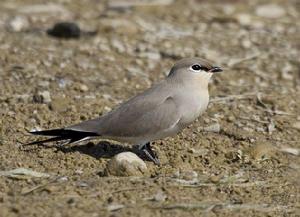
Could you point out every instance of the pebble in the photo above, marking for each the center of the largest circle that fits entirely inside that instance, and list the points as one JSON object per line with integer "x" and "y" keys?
{"x": 114, "y": 207}
{"x": 46, "y": 96}
{"x": 44, "y": 84}
{"x": 119, "y": 26}
{"x": 151, "y": 55}
{"x": 125, "y": 4}
{"x": 50, "y": 8}
{"x": 118, "y": 45}
{"x": 198, "y": 152}
{"x": 18, "y": 24}
{"x": 244, "y": 19}
{"x": 160, "y": 196}
{"x": 65, "y": 30}
{"x": 271, "y": 127}
{"x": 126, "y": 164}
{"x": 215, "y": 128}
{"x": 293, "y": 151}
{"x": 261, "y": 151}
{"x": 272, "y": 11}
{"x": 59, "y": 104}
{"x": 296, "y": 125}
{"x": 287, "y": 72}
{"x": 42, "y": 97}
{"x": 83, "y": 88}
{"x": 82, "y": 184}
{"x": 85, "y": 64}
{"x": 189, "y": 175}
{"x": 215, "y": 178}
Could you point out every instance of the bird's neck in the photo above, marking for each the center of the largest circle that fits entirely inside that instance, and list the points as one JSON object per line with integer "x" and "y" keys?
{"x": 195, "y": 84}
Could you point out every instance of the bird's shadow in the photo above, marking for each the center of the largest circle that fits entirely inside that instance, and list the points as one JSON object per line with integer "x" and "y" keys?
{"x": 102, "y": 149}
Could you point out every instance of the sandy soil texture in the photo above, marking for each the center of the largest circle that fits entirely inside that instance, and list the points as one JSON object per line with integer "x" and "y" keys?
{"x": 241, "y": 158}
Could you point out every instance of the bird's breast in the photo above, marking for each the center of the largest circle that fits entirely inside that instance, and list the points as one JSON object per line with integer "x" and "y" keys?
{"x": 193, "y": 106}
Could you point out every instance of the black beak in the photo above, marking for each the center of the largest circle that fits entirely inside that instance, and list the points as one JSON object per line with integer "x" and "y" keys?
{"x": 215, "y": 69}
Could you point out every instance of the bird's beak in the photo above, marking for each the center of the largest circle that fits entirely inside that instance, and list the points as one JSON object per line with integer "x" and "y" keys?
{"x": 215, "y": 69}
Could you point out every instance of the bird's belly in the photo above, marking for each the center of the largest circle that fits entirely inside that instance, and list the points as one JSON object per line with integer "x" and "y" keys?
{"x": 148, "y": 137}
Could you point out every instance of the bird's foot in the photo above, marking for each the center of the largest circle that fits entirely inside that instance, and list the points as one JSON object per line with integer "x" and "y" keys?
{"x": 146, "y": 148}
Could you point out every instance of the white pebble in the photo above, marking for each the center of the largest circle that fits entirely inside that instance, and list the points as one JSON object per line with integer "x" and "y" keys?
{"x": 126, "y": 164}
{"x": 18, "y": 24}
{"x": 215, "y": 128}
{"x": 271, "y": 11}
{"x": 244, "y": 19}
{"x": 46, "y": 96}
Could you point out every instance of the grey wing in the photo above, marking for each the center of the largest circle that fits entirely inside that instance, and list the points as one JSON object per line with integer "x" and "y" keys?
{"x": 137, "y": 121}
{"x": 142, "y": 115}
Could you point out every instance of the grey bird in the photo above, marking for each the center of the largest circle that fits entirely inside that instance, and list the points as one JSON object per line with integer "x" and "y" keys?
{"x": 162, "y": 110}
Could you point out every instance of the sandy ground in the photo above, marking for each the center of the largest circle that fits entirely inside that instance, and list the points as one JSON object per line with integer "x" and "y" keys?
{"x": 241, "y": 158}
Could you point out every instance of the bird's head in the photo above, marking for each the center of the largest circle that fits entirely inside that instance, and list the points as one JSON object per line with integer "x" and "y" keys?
{"x": 193, "y": 69}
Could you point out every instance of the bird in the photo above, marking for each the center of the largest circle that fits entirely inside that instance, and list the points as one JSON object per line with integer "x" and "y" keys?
{"x": 161, "y": 111}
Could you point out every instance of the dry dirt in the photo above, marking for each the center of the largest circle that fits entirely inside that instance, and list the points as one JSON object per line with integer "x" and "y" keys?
{"x": 241, "y": 158}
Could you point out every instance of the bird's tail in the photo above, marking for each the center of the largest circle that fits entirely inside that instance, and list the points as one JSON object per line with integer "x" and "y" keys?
{"x": 61, "y": 135}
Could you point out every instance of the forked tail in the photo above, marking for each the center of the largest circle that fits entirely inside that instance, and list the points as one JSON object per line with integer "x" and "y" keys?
{"x": 61, "y": 135}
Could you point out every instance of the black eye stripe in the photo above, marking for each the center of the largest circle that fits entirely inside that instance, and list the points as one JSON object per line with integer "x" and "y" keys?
{"x": 198, "y": 67}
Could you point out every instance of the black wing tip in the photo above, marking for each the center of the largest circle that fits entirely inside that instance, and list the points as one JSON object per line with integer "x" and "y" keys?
{"x": 53, "y": 132}
{"x": 53, "y": 139}
{"x": 61, "y": 134}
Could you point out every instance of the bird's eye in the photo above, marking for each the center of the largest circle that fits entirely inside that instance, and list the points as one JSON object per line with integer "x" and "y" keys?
{"x": 196, "y": 67}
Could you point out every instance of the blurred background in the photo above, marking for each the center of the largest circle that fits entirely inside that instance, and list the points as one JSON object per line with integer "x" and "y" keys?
{"x": 65, "y": 61}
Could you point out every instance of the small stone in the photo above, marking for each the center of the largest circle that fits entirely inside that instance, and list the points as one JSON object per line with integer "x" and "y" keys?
{"x": 271, "y": 11}
{"x": 63, "y": 179}
{"x": 215, "y": 128}
{"x": 23, "y": 98}
{"x": 244, "y": 19}
{"x": 42, "y": 97}
{"x": 271, "y": 127}
{"x": 126, "y": 164}
{"x": 287, "y": 72}
{"x": 59, "y": 104}
{"x": 262, "y": 152}
{"x": 125, "y": 4}
{"x": 114, "y": 207}
{"x": 228, "y": 9}
{"x": 215, "y": 179}
{"x": 189, "y": 175}
{"x": 159, "y": 197}
{"x": 79, "y": 172}
{"x": 246, "y": 43}
{"x": 82, "y": 184}
{"x": 83, "y": 88}
{"x": 62, "y": 83}
{"x": 289, "y": 150}
{"x": 85, "y": 64}
{"x": 65, "y": 30}
{"x": 46, "y": 96}
{"x": 120, "y": 26}
{"x": 296, "y": 125}
{"x": 50, "y": 8}
{"x": 118, "y": 45}
{"x": 44, "y": 84}
{"x": 18, "y": 24}
{"x": 198, "y": 152}
{"x": 151, "y": 55}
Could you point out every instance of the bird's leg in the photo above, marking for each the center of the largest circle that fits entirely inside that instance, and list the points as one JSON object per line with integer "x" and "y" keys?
{"x": 146, "y": 148}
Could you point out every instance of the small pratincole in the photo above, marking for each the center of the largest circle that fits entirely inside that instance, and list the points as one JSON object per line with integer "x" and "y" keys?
{"x": 160, "y": 111}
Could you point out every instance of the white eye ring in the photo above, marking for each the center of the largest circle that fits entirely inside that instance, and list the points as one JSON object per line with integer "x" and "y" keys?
{"x": 196, "y": 68}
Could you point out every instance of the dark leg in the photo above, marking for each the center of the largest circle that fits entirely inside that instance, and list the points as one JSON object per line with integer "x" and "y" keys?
{"x": 146, "y": 148}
